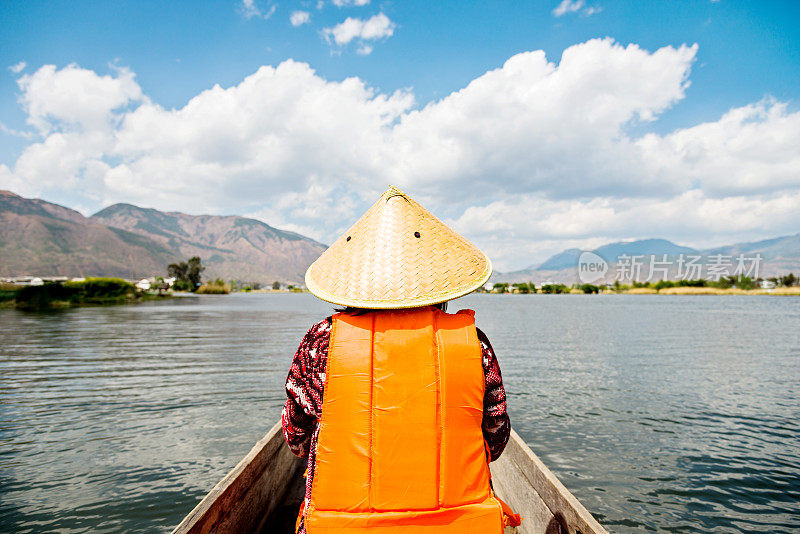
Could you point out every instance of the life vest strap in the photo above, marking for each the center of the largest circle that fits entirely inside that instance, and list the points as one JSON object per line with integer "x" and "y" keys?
{"x": 510, "y": 518}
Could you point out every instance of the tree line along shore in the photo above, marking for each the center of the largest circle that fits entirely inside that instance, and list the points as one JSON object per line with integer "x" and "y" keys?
{"x": 108, "y": 291}
{"x": 90, "y": 291}
{"x": 186, "y": 277}
{"x": 729, "y": 285}
{"x": 182, "y": 277}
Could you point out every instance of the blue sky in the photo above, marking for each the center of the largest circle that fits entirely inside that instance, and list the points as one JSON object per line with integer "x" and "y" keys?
{"x": 747, "y": 49}
{"x": 746, "y": 52}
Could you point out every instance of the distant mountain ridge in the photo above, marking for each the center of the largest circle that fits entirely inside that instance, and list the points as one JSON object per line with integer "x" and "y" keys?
{"x": 230, "y": 246}
{"x": 642, "y": 247}
{"x": 779, "y": 255}
{"x": 43, "y": 238}
{"x": 562, "y": 260}
{"x": 776, "y": 249}
{"x": 46, "y": 239}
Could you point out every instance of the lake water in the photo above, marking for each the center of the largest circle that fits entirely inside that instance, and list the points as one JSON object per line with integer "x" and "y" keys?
{"x": 674, "y": 414}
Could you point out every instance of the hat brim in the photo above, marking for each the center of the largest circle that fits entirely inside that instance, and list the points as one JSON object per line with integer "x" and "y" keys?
{"x": 393, "y": 304}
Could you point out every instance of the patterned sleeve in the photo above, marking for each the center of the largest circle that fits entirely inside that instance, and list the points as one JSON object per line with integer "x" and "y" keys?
{"x": 304, "y": 388}
{"x": 496, "y": 424}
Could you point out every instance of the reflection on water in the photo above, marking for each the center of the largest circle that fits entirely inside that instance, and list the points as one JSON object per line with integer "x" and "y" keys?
{"x": 659, "y": 413}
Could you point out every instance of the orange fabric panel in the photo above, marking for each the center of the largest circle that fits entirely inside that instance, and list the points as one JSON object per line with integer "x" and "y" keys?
{"x": 341, "y": 477}
{"x": 464, "y": 471}
{"x": 406, "y": 427}
{"x": 484, "y": 518}
{"x": 400, "y": 447}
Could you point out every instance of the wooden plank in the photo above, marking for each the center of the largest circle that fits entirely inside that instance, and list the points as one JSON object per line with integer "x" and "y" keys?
{"x": 283, "y": 519}
{"x": 247, "y": 496}
{"x": 563, "y": 505}
{"x": 510, "y": 484}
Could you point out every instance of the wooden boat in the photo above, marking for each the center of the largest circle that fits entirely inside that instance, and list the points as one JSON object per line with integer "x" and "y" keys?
{"x": 264, "y": 491}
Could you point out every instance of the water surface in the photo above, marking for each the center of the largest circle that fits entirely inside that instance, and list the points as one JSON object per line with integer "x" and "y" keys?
{"x": 673, "y": 414}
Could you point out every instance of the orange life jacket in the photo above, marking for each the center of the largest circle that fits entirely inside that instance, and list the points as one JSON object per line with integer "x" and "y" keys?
{"x": 400, "y": 446}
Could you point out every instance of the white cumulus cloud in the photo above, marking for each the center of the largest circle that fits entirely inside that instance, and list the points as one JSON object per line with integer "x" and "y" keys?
{"x": 533, "y": 124}
{"x": 376, "y": 27}
{"x": 18, "y": 67}
{"x": 298, "y": 18}
{"x": 73, "y": 97}
{"x": 527, "y": 159}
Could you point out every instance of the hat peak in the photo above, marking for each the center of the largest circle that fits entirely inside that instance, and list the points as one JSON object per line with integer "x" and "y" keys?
{"x": 394, "y": 192}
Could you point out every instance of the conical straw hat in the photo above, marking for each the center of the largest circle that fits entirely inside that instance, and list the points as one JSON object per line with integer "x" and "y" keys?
{"x": 397, "y": 255}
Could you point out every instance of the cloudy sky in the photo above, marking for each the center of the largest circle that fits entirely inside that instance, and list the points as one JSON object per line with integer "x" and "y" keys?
{"x": 528, "y": 126}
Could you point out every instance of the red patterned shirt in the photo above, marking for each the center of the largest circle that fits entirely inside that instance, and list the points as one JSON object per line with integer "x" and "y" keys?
{"x": 305, "y": 387}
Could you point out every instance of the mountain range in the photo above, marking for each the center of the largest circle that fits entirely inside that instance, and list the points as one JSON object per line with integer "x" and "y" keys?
{"x": 779, "y": 255}
{"x": 46, "y": 239}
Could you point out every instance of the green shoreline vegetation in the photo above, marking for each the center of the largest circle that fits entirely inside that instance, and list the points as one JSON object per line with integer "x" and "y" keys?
{"x": 215, "y": 287}
{"x": 741, "y": 285}
{"x": 101, "y": 291}
{"x": 88, "y": 292}
{"x": 108, "y": 291}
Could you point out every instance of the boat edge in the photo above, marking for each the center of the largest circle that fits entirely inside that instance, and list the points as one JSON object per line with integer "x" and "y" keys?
{"x": 561, "y": 502}
{"x": 196, "y": 520}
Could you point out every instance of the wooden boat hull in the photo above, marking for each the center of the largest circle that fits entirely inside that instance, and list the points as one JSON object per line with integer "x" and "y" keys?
{"x": 264, "y": 491}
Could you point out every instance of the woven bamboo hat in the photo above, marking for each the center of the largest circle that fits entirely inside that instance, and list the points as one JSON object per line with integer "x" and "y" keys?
{"x": 397, "y": 255}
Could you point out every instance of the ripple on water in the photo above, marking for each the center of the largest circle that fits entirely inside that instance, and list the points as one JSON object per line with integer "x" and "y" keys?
{"x": 667, "y": 414}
